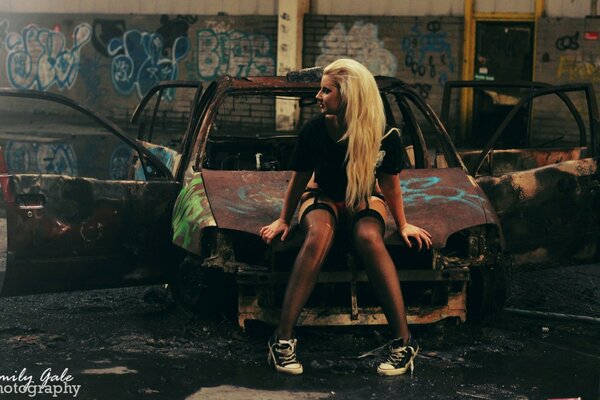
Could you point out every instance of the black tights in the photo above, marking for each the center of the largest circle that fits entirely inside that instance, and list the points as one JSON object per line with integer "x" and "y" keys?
{"x": 368, "y": 241}
{"x": 319, "y": 226}
{"x": 367, "y": 236}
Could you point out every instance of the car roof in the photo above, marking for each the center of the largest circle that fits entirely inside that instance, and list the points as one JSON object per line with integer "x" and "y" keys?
{"x": 266, "y": 83}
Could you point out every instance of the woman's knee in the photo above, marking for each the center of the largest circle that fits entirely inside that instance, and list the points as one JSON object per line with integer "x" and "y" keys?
{"x": 368, "y": 233}
{"x": 317, "y": 243}
{"x": 319, "y": 231}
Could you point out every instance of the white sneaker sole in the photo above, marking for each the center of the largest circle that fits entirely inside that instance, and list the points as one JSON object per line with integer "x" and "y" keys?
{"x": 400, "y": 371}
{"x": 284, "y": 370}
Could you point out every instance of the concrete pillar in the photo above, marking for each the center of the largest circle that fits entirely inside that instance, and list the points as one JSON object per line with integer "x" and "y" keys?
{"x": 289, "y": 56}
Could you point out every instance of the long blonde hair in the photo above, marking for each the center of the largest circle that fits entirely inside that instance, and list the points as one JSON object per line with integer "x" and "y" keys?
{"x": 365, "y": 122}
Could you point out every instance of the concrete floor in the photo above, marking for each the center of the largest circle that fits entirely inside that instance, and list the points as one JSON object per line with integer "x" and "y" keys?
{"x": 136, "y": 343}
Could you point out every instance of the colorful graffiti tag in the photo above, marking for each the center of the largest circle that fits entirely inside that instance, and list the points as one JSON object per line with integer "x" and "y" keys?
{"x": 191, "y": 215}
{"x": 572, "y": 69}
{"x": 360, "y": 43}
{"x": 428, "y": 55}
{"x": 234, "y": 53}
{"x": 417, "y": 191}
{"x": 139, "y": 62}
{"x": 567, "y": 42}
{"x": 38, "y": 59}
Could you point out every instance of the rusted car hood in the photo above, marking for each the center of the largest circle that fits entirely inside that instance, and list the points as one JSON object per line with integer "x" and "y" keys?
{"x": 443, "y": 201}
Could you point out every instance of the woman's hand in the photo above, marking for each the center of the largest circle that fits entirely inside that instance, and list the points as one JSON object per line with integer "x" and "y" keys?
{"x": 420, "y": 235}
{"x": 267, "y": 233}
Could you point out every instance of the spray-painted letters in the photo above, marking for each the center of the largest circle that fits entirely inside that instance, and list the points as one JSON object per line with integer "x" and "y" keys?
{"x": 428, "y": 55}
{"x": 568, "y": 42}
{"x": 235, "y": 53}
{"x": 37, "y": 57}
{"x": 572, "y": 69}
{"x": 141, "y": 63}
{"x": 417, "y": 191}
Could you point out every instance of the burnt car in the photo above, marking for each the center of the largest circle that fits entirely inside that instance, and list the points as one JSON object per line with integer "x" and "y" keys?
{"x": 88, "y": 207}
{"x": 533, "y": 149}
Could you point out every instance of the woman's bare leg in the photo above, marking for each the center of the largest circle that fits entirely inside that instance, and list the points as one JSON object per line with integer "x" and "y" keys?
{"x": 319, "y": 226}
{"x": 368, "y": 240}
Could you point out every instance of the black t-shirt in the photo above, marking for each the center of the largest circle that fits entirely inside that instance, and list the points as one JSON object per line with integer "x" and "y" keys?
{"x": 316, "y": 151}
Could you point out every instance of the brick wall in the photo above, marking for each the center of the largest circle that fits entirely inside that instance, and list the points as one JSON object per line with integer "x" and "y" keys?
{"x": 102, "y": 62}
{"x": 564, "y": 56}
{"x": 109, "y": 61}
{"x": 423, "y": 51}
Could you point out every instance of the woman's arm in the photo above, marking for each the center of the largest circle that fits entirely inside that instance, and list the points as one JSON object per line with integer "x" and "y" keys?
{"x": 292, "y": 197}
{"x": 392, "y": 191}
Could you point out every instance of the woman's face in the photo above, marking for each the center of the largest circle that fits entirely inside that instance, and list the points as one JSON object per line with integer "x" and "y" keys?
{"x": 329, "y": 98}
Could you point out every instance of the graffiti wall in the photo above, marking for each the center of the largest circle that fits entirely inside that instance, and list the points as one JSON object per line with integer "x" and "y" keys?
{"x": 39, "y": 58}
{"x": 423, "y": 51}
{"x": 569, "y": 50}
{"x": 110, "y": 62}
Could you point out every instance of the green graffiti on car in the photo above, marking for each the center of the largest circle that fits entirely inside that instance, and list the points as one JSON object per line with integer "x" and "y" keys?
{"x": 191, "y": 214}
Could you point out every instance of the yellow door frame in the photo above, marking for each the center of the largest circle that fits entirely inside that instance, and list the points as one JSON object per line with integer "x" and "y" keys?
{"x": 470, "y": 22}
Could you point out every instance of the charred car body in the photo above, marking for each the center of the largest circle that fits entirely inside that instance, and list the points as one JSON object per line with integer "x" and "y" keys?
{"x": 87, "y": 207}
{"x": 533, "y": 148}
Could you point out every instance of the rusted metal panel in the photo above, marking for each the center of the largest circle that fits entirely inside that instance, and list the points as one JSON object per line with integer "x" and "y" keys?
{"x": 511, "y": 160}
{"x": 247, "y": 200}
{"x": 68, "y": 233}
{"x": 248, "y": 276}
{"x": 271, "y": 82}
{"x": 456, "y": 307}
{"x": 253, "y": 303}
{"x": 550, "y": 212}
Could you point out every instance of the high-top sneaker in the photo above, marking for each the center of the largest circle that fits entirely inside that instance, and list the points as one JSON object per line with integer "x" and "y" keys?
{"x": 400, "y": 358}
{"x": 282, "y": 355}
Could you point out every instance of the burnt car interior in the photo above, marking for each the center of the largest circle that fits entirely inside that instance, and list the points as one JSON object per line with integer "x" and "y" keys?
{"x": 241, "y": 139}
{"x": 520, "y": 126}
{"x": 244, "y": 135}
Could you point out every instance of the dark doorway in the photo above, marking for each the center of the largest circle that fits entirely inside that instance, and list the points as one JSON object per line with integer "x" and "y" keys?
{"x": 503, "y": 53}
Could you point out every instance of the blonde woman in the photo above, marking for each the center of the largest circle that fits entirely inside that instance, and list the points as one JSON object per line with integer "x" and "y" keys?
{"x": 350, "y": 155}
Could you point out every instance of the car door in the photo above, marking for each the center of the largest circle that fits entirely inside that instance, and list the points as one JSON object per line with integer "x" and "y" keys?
{"x": 85, "y": 206}
{"x": 544, "y": 181}
{"x": 165, "y": 120}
